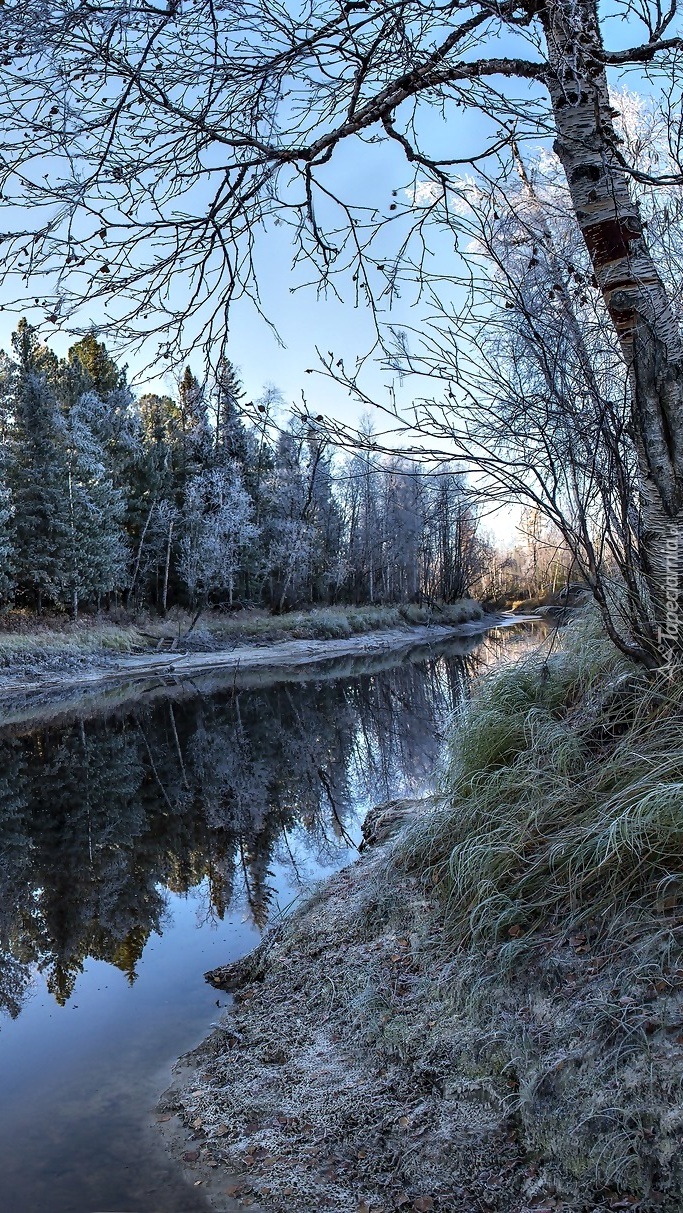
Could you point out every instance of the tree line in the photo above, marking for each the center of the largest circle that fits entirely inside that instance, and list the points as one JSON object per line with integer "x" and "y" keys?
{"x": 161, "y": 500}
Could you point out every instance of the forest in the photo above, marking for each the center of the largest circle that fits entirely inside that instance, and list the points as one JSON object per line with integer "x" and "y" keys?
{"x": 112, "y": 499}
{"x": 466, "y": 218}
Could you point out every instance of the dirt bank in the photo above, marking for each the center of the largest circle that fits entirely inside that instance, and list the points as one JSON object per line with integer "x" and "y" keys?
{"x": 110, "y": 682}
{"x": 368, "y": 1066}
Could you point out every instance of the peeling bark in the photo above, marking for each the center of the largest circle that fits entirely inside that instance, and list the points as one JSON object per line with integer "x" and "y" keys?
{"x": 588, "y": 148}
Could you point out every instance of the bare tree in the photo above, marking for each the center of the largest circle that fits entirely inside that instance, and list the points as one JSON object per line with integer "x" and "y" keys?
{"x": 171, "y": 135}
{"x": 536, "y": 394}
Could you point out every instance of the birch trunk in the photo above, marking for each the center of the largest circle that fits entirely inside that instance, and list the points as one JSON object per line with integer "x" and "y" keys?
{"x": 587, "y": 146}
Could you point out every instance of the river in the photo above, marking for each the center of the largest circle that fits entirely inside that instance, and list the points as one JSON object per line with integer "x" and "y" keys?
{"x": 143, "y": 846}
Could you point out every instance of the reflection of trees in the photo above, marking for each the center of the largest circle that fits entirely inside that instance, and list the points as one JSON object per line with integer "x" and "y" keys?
{"x": 98, "y": 817}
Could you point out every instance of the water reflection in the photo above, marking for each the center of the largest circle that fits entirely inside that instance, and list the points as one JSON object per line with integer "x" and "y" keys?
{"x": 99, "y": 818}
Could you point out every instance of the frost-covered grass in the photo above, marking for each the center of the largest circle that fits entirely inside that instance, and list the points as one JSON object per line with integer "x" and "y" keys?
{"x": 31, "y": 642}
{"x": 562, "y": 801}
{"x": 555, "y": 849}
{"x": 25, "y": 639}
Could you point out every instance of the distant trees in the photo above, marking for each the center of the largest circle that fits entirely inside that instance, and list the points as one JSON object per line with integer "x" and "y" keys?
{"x": 411, "y": 532}
{"x": 182, "y": 499}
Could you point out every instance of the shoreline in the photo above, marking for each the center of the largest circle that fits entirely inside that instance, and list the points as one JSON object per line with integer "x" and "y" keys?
{"x": 112, "y": 682}
{"x": 332, "y": 1081}
{"x": 368, "y": 1065}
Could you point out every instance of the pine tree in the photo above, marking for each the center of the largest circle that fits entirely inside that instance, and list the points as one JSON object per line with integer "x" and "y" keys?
{"x": 92, "y": 357}
{"x": 195, "y": 439}
{"x": 97, "y": 552}
{"x": 115, "y": 422}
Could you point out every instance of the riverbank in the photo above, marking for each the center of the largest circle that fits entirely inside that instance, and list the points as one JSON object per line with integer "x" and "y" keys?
{"x": 334, "y": 1081}
{"x": 485, "y": 1012}
{"x": 49, "y": 644}
{"x": 97, "y": 680}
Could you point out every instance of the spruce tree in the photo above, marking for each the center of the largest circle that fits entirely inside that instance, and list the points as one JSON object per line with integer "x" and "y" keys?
{"x": 37, "y": 474}
{"x": 234, "y": 443}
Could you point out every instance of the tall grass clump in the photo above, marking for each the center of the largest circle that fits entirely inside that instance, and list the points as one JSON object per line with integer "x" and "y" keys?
{"x": 561, "y": 801}
{"x": 69, "y": 642}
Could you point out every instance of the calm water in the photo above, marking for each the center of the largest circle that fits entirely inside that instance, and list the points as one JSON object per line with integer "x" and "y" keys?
{"x": 142, "y": 847}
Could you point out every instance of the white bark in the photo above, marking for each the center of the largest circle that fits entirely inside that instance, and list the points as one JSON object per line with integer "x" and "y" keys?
{"x": 587, "y": 145}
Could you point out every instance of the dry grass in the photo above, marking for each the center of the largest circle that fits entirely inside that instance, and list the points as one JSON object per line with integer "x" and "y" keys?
{"x": 27, "y": 642}
{"x": 322, "y": 623}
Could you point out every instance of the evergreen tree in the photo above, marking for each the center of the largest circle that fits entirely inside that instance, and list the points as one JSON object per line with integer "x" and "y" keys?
{"x": 154, "y": 494}
{"x": 234, "y": 443}
{"x": 37, "y": 474}
{"x": 195, "y": 440}
{"x": 92, "y": 357}
{"x": 97, "y": 550}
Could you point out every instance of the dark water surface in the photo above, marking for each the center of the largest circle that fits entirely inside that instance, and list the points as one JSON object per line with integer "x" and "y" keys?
{"x": 139, "y": 849}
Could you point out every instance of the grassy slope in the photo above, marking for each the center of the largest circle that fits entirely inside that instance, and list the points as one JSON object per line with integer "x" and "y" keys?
{"x": 23, "y": 641}
{"x": 557, "y": 846}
